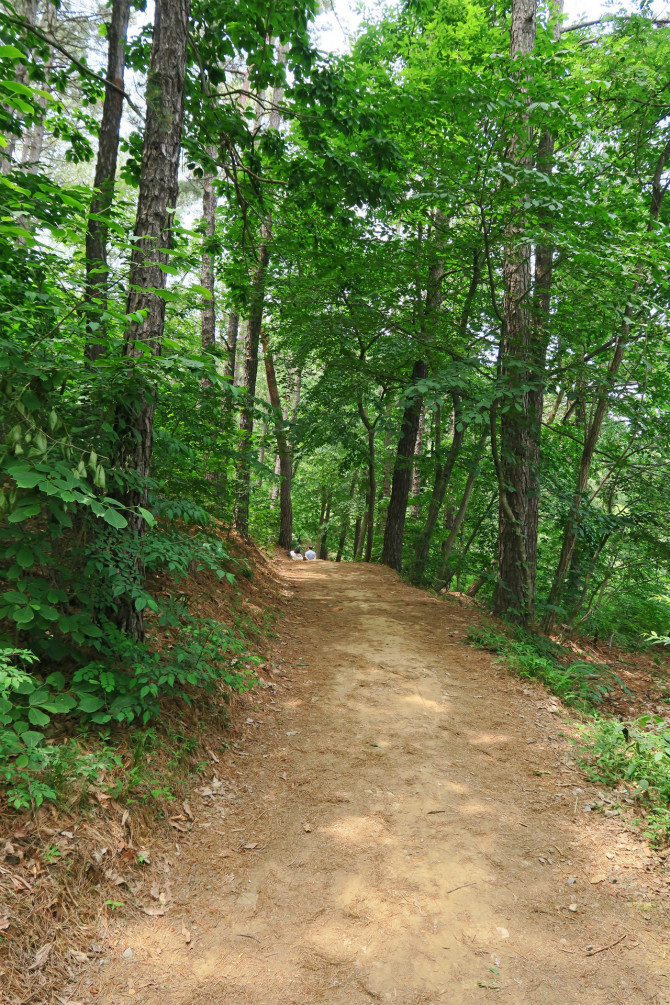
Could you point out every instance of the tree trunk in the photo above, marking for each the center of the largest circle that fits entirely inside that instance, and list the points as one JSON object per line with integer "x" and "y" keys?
{"x": 402, "y": 470}
{"x": 208, "y": 310}
{"x": 514, "y": 593}
{"x": 416, "y": 470}
{"x": 153, "y": 229}
{"x": 402, "y": 475}
{"x": 243, "y": 478}
{"x": 443, "y": 474}
{"x": 659, "y": 189}
{"x": 345, "y": 521}
{"x": 323, "y": 542}
{"x": 448, "y": 544}
{"x": 357, "y": 536}
{"x": 96, "y": 289}
{"x": 362, "y": 531}
{"x": 285, "y": 539}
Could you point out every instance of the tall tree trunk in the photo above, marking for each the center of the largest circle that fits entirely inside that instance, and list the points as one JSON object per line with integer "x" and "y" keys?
{"x": 283, "y": 450}
{"x": 153, "y": 233}
{"x": 514, "y": 592}
{"x": 357, "y": 536}
{"x": 345, "y": 521}
{"x": 402, "y": 470}
{"x": 416, "y": 470}
{"x": 323, "y": 542}
{"x": 232, "y": 329}
{"x": 208, "y": 309}
{"x": 448, "y": 544}
{"x": 362, "y": 531}
{"x": 402, "y": 475}
{"x": 96, "y": 289}
{"x": 243, "y": 475}
{"x": 659, "y": 188}
{"x": 443, "y": 474}
{"x": 371, "y": 494}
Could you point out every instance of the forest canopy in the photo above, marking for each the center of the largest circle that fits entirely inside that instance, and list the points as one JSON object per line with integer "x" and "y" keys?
{"x": 407, "y": 303}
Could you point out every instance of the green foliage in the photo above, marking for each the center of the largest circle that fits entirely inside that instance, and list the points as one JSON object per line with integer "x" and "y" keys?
{"x": 580, "y": 684}
{"x": 635, "y": 754}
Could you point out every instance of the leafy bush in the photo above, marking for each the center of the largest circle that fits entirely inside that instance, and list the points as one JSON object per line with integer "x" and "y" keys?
{"x": 638, "y": 753}
{"x": 124, "y": 687}
{"x": 581, "y": 684}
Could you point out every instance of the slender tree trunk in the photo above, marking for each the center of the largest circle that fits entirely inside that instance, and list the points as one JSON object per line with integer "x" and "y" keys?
{"x": 402, "y": 475}
{"x": 416, "y": 471}
{"x": 659, "y": 189}
{"x": 357, "y": 536}
{"x": 243, "y": 480}
{"x": 443, "y": 474}
{"x": 323, "y": 542}
{"x": 153, "y": 228}
{"x": 208, "y": 309}
{"x": 514, "y": 593}
{"x": 255, "y": 322}
{"x": 96, "y": 289}
{"x": 402, "y": 470}
{"x": 345, "y": 521}
{"x": 448, "y": 544}
{"x": 363, "y": 531}
{"x": 283, "y": 450}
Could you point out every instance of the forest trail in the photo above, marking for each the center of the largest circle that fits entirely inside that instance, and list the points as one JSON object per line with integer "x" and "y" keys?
{"x": 411, "y": 819}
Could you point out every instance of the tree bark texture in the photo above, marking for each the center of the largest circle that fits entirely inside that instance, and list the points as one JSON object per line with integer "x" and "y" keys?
{"x": 514, "y": 592}
{"x": 155, "y": 208}
{"x": 105, "y": 175}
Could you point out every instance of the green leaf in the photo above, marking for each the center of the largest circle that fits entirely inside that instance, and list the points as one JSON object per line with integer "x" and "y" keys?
{"x": 60, "y": 703}
{"x": 38, "y": 718}
{"x": 10, "y": 52}
{"x": 32, "y": 738}
{"x": 90, "y": 703}
{"x": 38, "y": 696}
{"x": 23, "y": 616}
{"x": 115, "y": 519}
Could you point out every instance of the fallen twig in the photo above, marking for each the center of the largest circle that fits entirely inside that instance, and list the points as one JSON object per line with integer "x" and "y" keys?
{"x": 461, "y": 887}
{"x": 242, "y": 935}
{"x": 601, "y": 949}
{"x": 435, "y": 811}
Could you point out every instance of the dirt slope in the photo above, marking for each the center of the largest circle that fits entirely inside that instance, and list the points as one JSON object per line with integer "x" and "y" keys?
{"x": 414, "y": 832}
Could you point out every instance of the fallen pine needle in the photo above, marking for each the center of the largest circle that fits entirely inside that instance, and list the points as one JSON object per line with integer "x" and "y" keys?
{"x": 242, "y": 935}
{"x": 601, "y": 949}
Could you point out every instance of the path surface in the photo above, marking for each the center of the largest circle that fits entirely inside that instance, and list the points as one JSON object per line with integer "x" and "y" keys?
{"x": 412, "y": 821}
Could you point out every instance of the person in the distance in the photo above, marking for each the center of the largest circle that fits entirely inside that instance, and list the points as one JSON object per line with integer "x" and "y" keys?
{"x": 310, "y": 554}
{"x": 296, "y": 554}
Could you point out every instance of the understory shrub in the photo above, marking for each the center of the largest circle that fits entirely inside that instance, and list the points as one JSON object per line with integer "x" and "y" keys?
{"x": 580, "y": 684}
{"x": 633, "y": 753}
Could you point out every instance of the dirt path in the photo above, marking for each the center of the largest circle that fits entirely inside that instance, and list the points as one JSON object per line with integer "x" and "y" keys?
{"x": 414, "y": 832}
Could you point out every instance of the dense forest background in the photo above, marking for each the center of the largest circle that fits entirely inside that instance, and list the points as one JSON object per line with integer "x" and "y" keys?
{"x": 407, "y": 303}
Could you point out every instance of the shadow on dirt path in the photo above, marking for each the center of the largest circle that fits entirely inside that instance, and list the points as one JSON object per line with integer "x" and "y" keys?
{"x": 405, "y": 826}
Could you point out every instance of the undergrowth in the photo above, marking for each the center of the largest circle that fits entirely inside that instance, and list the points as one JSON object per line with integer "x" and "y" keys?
{"x": 580, "y": 684}
{"x": 632, "y": 756}
{"x": 58, "y": 701}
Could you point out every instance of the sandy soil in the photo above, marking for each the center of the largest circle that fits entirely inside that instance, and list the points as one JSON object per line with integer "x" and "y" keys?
{"x": 401, "y": 822}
